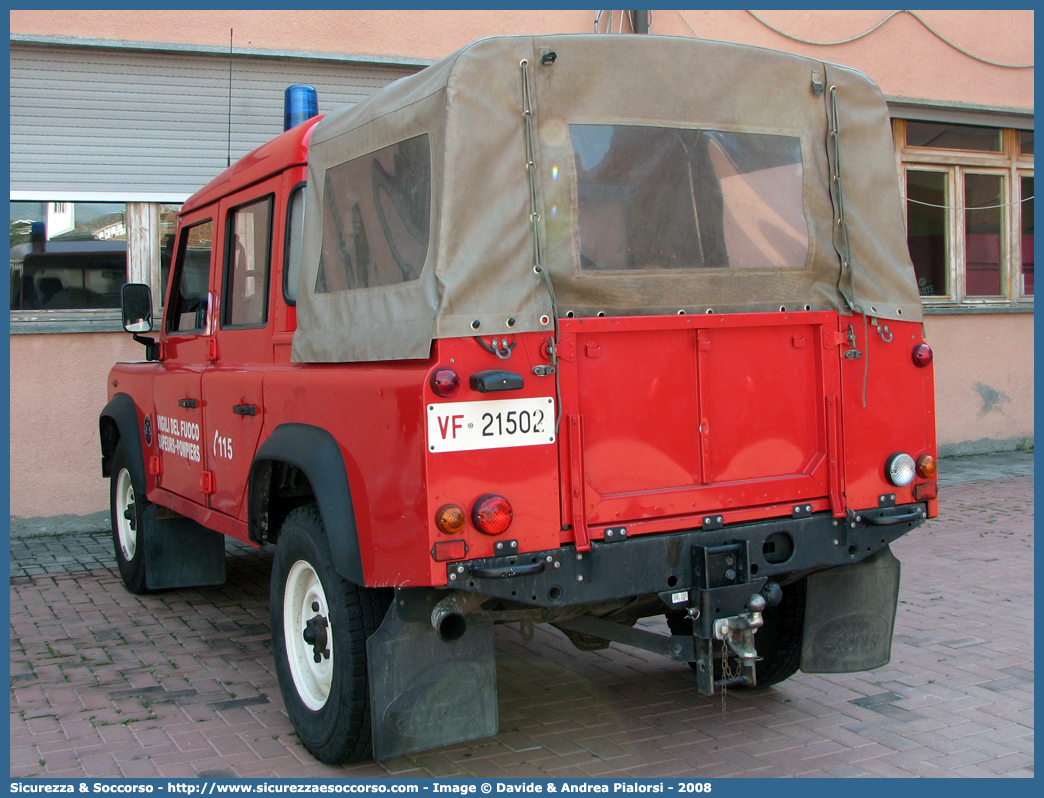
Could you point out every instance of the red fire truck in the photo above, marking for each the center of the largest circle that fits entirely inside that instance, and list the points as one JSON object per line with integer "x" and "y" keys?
{"x": 574, "y": 330}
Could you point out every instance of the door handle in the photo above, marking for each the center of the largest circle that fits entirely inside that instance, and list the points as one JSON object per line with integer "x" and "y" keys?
{"x": 187, "y": 403}
{"x": 244, "y": 410}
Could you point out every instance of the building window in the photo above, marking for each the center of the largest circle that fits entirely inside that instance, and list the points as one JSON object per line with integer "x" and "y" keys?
{"x": 969, "y": 212}
{"x": 953, "y": 137}
{"x": 1026, "y": 244}
{"x": 70, "y": 259}
{"x": 67, "y": 255}
{"x": 165, "y": 225}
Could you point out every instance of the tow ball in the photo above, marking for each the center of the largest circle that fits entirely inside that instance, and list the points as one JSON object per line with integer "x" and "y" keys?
{"x": 731, "y": 637}
{"x": 316, "y": 636}
{"x": 738, "y": 632}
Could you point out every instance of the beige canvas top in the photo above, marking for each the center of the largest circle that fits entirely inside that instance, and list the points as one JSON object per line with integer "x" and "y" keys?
{"x": 420, "y": 206}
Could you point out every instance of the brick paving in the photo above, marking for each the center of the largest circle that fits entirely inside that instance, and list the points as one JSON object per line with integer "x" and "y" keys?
{"x": 181, "y": 683}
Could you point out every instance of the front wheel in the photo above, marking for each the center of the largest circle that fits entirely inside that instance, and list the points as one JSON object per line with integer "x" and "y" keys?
{"x": 320, "y": 625}
{"x": 127, "y": 505}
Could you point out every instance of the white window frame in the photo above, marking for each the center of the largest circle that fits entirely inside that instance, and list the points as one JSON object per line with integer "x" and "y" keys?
{"x": 1008, "y": 163}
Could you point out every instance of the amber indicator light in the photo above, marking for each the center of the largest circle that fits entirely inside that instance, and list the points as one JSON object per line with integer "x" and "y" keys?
{"x": 926, "y": 466}
{"x": 449, "y": 519}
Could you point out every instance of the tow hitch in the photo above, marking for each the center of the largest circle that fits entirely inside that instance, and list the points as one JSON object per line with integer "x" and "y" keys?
{"x": 726, "y": 614}
{"x": 738, "y": 631}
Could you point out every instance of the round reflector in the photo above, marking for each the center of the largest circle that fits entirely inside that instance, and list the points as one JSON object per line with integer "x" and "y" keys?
{"x": 445, "y": 382}
{"x": 900, "y": 469}
{"x": 922, "y": 355}
{"x": 926, "y": 466}
{"x": 491, "y": 514}
{"x": 449, "y": 519}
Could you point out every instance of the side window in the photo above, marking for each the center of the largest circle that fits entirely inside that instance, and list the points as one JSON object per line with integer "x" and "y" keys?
{"x": 376, "y": 217}
{"x": 294, "y": 238}
{"x": 247, "y": 265}
{"x": 188, "y": 301}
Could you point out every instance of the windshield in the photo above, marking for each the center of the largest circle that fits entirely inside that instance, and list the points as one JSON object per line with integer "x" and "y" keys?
{"x": 652, "y": 198}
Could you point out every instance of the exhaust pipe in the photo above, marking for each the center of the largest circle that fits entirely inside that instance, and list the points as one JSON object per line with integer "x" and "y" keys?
{"x": 447, "y": 617}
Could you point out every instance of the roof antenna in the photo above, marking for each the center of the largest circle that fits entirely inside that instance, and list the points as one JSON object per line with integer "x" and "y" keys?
{"x": 229, "y": 97}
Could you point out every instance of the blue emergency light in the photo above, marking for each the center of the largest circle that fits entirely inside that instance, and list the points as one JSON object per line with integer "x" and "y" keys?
{"x": 300, "y": 103}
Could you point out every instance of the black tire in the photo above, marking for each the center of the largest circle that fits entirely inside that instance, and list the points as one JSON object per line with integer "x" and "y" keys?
{"x": 778, "y": 641}
{"x": 127, "y": 505}
{"x": 328, "y": 702}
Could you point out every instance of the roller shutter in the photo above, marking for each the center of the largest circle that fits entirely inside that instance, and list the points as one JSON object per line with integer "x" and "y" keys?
{"x": 155, "y": 125}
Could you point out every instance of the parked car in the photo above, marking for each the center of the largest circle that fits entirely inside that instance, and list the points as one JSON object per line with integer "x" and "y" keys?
{"x": 574, "y": 330}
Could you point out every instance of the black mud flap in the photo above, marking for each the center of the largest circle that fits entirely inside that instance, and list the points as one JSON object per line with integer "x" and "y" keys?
{"x": 426, "y": 693}
{"x": 849, "y": 615}
{"x": 181, "y": 553}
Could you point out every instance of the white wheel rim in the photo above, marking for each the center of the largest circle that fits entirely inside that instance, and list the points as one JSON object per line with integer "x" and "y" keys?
{"x": 125, "y": 531}
{"x": 302, "y": 592}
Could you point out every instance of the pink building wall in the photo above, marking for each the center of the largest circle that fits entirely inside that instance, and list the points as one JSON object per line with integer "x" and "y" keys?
{"x": 57, "y": 390}
{"x": 902, "y": 55}
{"x": 984, "y": 363}
{"x": 983, "y": 380}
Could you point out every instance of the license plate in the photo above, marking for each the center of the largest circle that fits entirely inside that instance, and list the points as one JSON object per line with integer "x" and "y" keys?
{"x": 497, "y": 424}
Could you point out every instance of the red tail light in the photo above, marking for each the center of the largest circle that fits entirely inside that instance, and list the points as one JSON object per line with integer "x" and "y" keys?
{"x": 922, "y": 355}
{"x": 445, "y": 382}
{"x": 491, "y": 514}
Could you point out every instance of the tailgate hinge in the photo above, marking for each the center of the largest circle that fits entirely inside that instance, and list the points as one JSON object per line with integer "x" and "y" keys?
{"x": 577, "y": 500}
{"x": 836, "y": 490}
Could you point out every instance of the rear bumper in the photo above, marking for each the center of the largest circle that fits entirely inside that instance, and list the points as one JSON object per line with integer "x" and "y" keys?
{"x": 674, "y": 564}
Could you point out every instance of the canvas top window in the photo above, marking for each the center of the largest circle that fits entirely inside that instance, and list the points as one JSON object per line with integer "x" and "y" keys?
{"x": 654, "y": 198}
{"x": 376, "y": 218}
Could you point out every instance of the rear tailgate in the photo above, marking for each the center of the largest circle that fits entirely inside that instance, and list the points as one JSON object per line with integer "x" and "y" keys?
{"x": 671, "y": 419}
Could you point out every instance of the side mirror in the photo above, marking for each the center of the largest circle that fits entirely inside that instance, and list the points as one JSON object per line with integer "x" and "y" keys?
{"x": 136, "y": 301}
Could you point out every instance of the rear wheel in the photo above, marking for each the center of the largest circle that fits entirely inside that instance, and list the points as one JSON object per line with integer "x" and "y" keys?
{"x": 127, "y": 505}
{"x": 778, "y": 641}
{"x": 320, "y": 625}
